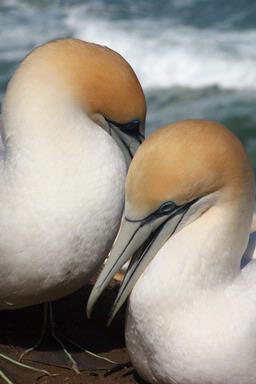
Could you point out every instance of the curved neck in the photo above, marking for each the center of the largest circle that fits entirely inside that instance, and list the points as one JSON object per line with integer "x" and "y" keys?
{"x": 208, "y": 251}
{"x": 47, "y": 140}
{"x": 33, "y": 110}
{"x": 45, "y": 124}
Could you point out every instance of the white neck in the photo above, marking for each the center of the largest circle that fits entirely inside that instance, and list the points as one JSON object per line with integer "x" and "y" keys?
{"x": 35, "y": 113}
{"x": 49, "y": 140}
{"x": 41, "y": 121}
{"x": 204, "y": 254}
{"x": 179, "y": 312}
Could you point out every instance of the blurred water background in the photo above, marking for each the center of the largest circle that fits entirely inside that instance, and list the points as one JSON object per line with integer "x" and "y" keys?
{"x": 194, "y": 58}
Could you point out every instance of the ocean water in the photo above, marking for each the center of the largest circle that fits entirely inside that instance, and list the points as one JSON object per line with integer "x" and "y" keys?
{"x": 194, "y": 58}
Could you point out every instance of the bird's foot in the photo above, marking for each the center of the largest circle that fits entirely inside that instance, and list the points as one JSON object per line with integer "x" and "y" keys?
{"x": 50, "y": 360}
{"x": 77, "y": 360}
{"x": 43, "y": 333}
{"x": 88, "y": 353}
{"x": 74, "y": 364}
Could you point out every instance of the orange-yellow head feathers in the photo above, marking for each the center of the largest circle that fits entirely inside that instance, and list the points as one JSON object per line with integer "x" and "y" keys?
{"x": 187, "y": 160}
{"x": 99, "y": 79}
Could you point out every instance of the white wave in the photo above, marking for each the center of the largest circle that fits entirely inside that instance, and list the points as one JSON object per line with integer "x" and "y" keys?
{"x": 166, "y": 55}
{"x": 162, "y": 52}
{"x": 24, "y": 26}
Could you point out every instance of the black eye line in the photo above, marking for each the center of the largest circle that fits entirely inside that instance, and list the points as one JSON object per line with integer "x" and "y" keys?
{"x": 133, "y": 124}
{"x": 133, "y": 127}
{"x": 155, "y": 214}
{"x": 148, "y": 244}
{"x": 172, "y": 212}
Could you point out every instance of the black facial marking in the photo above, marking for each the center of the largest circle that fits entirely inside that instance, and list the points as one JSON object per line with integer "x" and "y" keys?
{"x": 138, "y": 256}
{"x": 132, "y": 128}
{"x": 167, "y": 208}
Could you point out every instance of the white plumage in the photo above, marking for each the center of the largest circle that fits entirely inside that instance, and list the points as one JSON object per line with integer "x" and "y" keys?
{"x": 191, "y": 315}
{"x": 61, "y": 174}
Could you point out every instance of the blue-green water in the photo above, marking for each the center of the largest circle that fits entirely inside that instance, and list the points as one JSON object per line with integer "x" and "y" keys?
{"x": 194, "y": 58}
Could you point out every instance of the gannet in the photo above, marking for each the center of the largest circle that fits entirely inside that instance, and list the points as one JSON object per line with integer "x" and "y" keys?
{"x": 72, "y": 118}
{"x": 191, "y": 316}
{"x": 62, "y": 175}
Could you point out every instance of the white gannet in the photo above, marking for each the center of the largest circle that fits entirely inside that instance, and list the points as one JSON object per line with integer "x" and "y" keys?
{"x": 72, "y": 117}
{"x": 191, "y": 316}
{"x": 62, "y": 174}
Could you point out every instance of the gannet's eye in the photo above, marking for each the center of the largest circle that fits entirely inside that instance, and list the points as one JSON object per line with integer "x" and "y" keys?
{"x": 167, "y": 207}
{"x": 134, "y": 124}
{"x": 131, "y": 127}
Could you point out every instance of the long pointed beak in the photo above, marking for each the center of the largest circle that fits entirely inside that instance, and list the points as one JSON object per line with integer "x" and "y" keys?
{"x": 140, "y": 240}
{"x": 130, "y": 236}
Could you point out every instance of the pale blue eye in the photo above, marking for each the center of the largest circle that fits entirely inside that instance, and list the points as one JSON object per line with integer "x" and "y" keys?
{"x": 167, "y": 207}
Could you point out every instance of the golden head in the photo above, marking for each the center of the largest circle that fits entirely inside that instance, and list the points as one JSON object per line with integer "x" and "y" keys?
{"x": 99, "y": 79}
{"x": 185, "y": 161}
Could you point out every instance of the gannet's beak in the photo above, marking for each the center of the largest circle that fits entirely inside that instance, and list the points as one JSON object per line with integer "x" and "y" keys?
{"x": 128, "y": 136}
{"x": 141, "y": 240}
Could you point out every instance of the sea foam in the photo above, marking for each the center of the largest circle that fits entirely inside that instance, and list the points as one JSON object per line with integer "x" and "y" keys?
{"x": 164, "y": 51}
{"x": 165, "y": 54}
